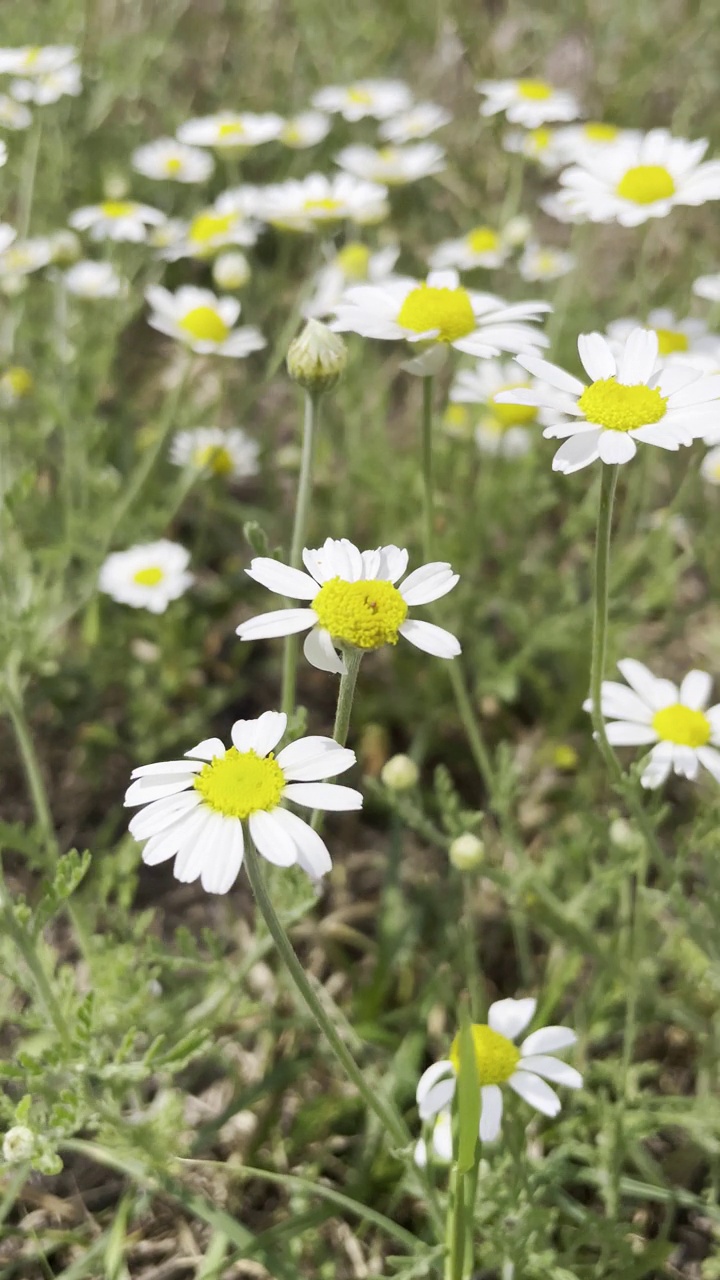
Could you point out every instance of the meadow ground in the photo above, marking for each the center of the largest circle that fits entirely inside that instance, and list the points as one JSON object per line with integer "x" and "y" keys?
{"x": 170, "y": 1107}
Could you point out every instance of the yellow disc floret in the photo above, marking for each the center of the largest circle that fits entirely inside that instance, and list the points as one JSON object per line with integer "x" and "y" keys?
{"x": 616, "y": 407}
{"x": 671, "y": 340}
{"x": 496, "y": 1057}
{"x": 536, "y": 90}
{"x": 204, "y": 325}
{"x": 240, "y": 783}
{"x": 173, "y": 165}
{"x": 353, "y": 260}
{"x": 513, "y": 415}
{"x": 679, "y": 724}
{"x": 364, "y": 614}
{"x": 208, "y": 227}
{"x": 360, "y": 96}
{"x": 324, "y": 206}
{"x": 231, "y": 129}
{"x": 646, "y": 183}
{"x": 482, "y": 240}
{"x": 215, "y": 458}
{"x": 149, "y": 577}
{"x": 598, "y": 132}
{"x": 448, "y": 312}
{"x": 117, "y": 208}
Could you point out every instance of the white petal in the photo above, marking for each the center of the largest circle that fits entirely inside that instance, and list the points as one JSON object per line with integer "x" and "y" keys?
{"x": 510, "y": 1017}
{"x": 156, "y": 787}
{"x": 206, "y": 840}
{"x": 324, "y": 795}
{"x": 491, "y": 1109}
{"x": 429, "y": 638}
{"x": 658, "y": 766}
{"x": 620, "y": 703}
{"x": 428, "y": 583}
{"x": 208, "y": 749}
{"x": 442, "y": 1137}
{"x": 653, "y": 691}
{"x": 616, "y": 447}
{"x": 625, "y": 733}
{"x": 637, "y": 358}
{"x": 430, "y": 1077}
{"x": 312, "y": 853}
{"x": 685, "y": 762}
{"x": 596, "y": 356}
{"x": 320, "y": 652}
{"x": 260, "y": 735}
{"x": 282, "y": 622}
{"x": 548, "y": 1040}
{"x": 220, "y": 872}
{"x": 160, "y": 814}
{"x": 311, "y": 759}
{"x": 165, "y": 844}
{"x": 552, "y": 1069}
{"x": 194, "y": 827}
{"x": 437, "y": 1098}
{"x": 272, "y": 840}
{"x": 282, "y": 579}
{"x": 536, "y": 1092}
{"x": 577, "y": 452}
{"x": 552, "y": 373}
{"x": 167, "y": 767}
{"x": 711, "y": 759}
{"x": 695, "y": 690}
{"x": 394, "y": 562}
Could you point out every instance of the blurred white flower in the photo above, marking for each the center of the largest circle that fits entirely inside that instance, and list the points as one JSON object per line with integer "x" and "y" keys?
{"x": 36, "y": 60}
{"x": 303, "y": 204}
{"x": 353, "y": 263}
{"x": 231, "y": 129}
{"x": 378, "y": 98}
{"x": 117, "y": 220}
{"x": 676, "y": 337}
{"x": 542, "y": 262}
{"x": 540, "y": 145}
{"x": 171, "y": 160}
{"x": 481, "y": 247}
{"x": 576, "y": 141}
{"x": 22, "y": 257}
{"x": 710, "y": 468}
{"x": 399, "y": 773}
{"x": 93, "y": 280}
{"x": 503, "y": 429}
{"x": 231, "y": 270}
{"x": 147, "y": 576}
{"x": 305, "y": 130}
{"x": 394, "y": 166}
{"x": 231, "y": 454}
{"x": 417, "y": 122}
{"x": 13, "y": 115}
{"x": 50, "y": 86}
{"x": 527, "y": 102}
{"x": 202, "y": 321}
{"x": 707, "y": 287}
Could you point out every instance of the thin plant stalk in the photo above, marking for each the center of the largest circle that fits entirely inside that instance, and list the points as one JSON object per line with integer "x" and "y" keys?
{"x": 427, "y": 468}
{"x": 299, "y": 536}
{"x": 346, "y": 693}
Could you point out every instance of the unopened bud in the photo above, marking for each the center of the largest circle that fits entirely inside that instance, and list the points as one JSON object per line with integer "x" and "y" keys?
{"x": 399, "y": 773}
{"x": 231, "y": 270}
{"x": 517, "y": 230}
{"x": 317, "y": 357}
{"x": 466, "y": 852}
{"x": 18, "y": 1144}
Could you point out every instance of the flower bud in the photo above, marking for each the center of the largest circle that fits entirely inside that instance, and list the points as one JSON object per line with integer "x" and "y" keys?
{"x": 466, "y": 852}
{"x": 231, "y": 270}
{"x": 516, "y": 230}
{"x": 399, "y": 773}
{"x": 317, "y": 357}
{"x": 18, "y": 1144}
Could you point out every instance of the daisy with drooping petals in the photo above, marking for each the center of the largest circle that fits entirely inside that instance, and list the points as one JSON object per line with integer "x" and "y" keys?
{"x": 202, "y": 321}
{"x": 231, "y": 129}
{"x": 378, "y": 98}
{"x": 195, "y": 809}
{"x": 147, "y": 576}
{"x": 117, "y": 220}
{"x": 710, "y": 468}
{"x": 306, "y": 203}
{"x": 418, "y": 122}
{"x": 707, "y": 287}
{"x": 351, "y": 264}
{"x": 172, "y": 160}
{"x": 540, "y": 262}
{"x": 526, "y": 1069}
{"x": 628, "y": 399}
{"x": 394, "y": 166}
{"x": 639, "y": 179}
{"x": 93, "y": 280}
{"x": 504, "y": 429}
{"x": 685, "y": 731}
{"x": 231, "y": 454}
{"x": 13, "y": 115}
{"x": 439, "y": 311}
{"x": 481, "y": 247}
{"x": 353, "y": 602}
{"x": 527, "y": 102}
{"x": 676, "y": 337}
{"x": 304, "y": 130}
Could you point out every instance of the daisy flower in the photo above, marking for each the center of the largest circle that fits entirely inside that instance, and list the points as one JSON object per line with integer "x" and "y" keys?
{"x": 353, "y": 601}
{"x": 351, "y": 264}
{"x": 503, "y": 428}
{"x": 147, "y": 576}
{"x": 93, "y": 280}
{"x": 540, "y": 262}
{"x": 211, "y": 229}
{"x": 202, "y": 321}
{"x": 231, "y": 270}
{"x": 418, "y": 122}
{"x": 707, "y": 287}
{"x": 195, "y": 810}
{"x": 231, "y": 454}
{"x": 231, "y": 129}
{"x": 36, "y": 60}
{"x": 394, "y": 166}
{"x": 593, "y": 137}
{"x": 13, "y": 115}
{"x": 526, "y": 1069}
{"x": 527, "y": 102}
{"x": 306, "y": 203}
{"x": 49, "y": 87}
{"x": 377, "y": 98}
{"x": 22, "y": 257}
{"x": 15, "y": 384}
{"x": 540, "y": 145}
{"x": 710, "y": 468}
{"x": 628, "y": 399}
{"x": 440, "y": 311}
{"x": 481, "y": 247}
{"x": 639, "y": 179}
{"x": 304, "y": 130}
{"x": 685, "y": 731}
{"x": 117, "y": 220}
{"x": 169, "y": 159}
{"x": 676, "y": 337}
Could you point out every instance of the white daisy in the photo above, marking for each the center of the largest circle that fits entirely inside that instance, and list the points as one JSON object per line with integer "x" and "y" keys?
{"x": 231, "y": 270}
{"x": 195, "y": 808}
{"x": 578, "y": 141}
{"x": 628, "y": 399}
{"x": 354, "y": 602}
{"x": 93, "y": 280}
{"x": 540, "y": 145}
{"x": 541, "y": 262}
{"x": 216, "y": 227}
{"x": 395, "y": 166}
{"x": 202, "y": 321}
{"x": 527, "y": 102}
{"x": 147, "y": 576}
{"x": 50, "y": 86}
{"x": 15, "y": 384}
{"x": 417, "y": 122}
{"x": 305, "y": 130}
{"x": 175, "y": 161}
{"x": 352, "y": 263}
{"x": 481, "y": 247}
{"x": 377, "y": 98}
{"x": 36, "y": 60}
{"x": 231, "y": 129}
{"x": 13, "y": 115}
{"x": 303, "y": 204}
{"x": 686, "y": 732}
{"x": 22, "y": 257}
{"x": 707, "y": 287}
{"x": 439, "y": 311}
{"x": 7, "y": 235}
{"x": 676, "y": 337}
{"x": 117, "y": 220}
{"x": 710, "y": 468}
{"x": 636, "y": 180}
{"x": 503, "y": 429}
{"x": 231, "y": 454}
{"x": 526, "y": 1069}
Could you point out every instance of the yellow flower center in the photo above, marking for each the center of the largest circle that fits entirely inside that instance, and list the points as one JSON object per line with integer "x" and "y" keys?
{"x": 670, "y": 340}
{"x": 18, "y": 381}
{"x": 496, "y": 1057}
{"x": 360, "y": 96}
{"x": 539, "y": 139}
{"x": 448, "y": 311}
{"x": 456, "y": 419}
{"x": 354, "y": 260}
{"x": 513, "y": 415}
{"x": 681, "y": 725}
{"x": 291, "y": 135}
{"x": 598, "y": 132}
{"x": 117, "y": 208}
{"x": 206, "y": 227}
{"x": 215, "y": 458}
{"x": 31, "y": 56}
{"x": 240, "y": 783}
{"x": 364, "y": 614}
{"x": 535, "y": 90}
{"x": 646, "y": 183}
{"x": 204, "y": 324}
{"x": 326, "y": 205}
{"x": 231, "y": 129}
{"x": 149, "y": 577}
{"x": 173, "y": 165}
{"x": 482, "y": 240}
{"x": 616, "y": 407}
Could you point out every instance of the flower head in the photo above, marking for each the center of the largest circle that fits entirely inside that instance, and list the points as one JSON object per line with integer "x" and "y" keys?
{"x": 579, "y": 143}
{"x": 13, "y": 115}
{"x": 353, "y": 263}
{"x": 202, "y": 321}
{"x": 677, "y": 338}
{"x": 93, "y": 280}
{"x": 231, "y": 129}
{"x": 117, "y": 220}
{"x": 710, "y": 467}
{"x": 378, "y": 98}
{"x": 196, "y": 809}
{"x": 394, "y": 166}
{"x": 147, "y": 576}
{"x": 525, "y": 1068}
{"x": 36, "y": 60}
{"x": 539, "y": 262}
{"x": 541, "y": 145}
{"x": 707, "y": 287}
{"x": 305, "y": 130}
{"x": 22, "y": 257}
{"x": 527, "y": 102}
{"x": 480, "y": 247}
{"x": 50, "y": 86}
{"x": 504, "y": 429}
{"x": 231, "y": 270}
{"x": 417, "y": 122}
{"x": 174, "y": 161}
{"x": 231, "y": 454}
{"x": 317, "y": 357}
{"x": 307, "y": 203}
{"x": 353, "y": 602}
{"x": 685, "y": 731}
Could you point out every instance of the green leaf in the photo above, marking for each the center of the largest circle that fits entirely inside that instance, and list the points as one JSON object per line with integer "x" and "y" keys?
{"x": 468, "y": 1094}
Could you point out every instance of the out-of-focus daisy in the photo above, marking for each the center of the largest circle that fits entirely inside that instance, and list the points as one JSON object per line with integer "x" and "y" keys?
{"x": 117, "y": 220}
{"x": 231, "y": 454}
{"x": 305, "y": 130}
{"x": 540, "y": 145}
{"x": 36, "y": 60}
{"x": 353, "y": 602}
{"x": 676, "y": 337}
{"x": 707, "y": 287}
{"x": 16, "y": 383}
{"x": 65, "y": 247}
{"x": 418, "y": 122}
{"x": 641, "y": 179}
{"x": 231, "y": 129}
{"x": 685, "y": 731}
{"x": 172, "y": 160}
{"x": 556, "y": 206}
{"x": 541, "y": 262}
{"x": 93, "y": 280}
{"x": 481, "y": 247}
{"x": 231, "y": 270}
{"x": 22, "y": 257}
{"x": 49, "y": 87}
{"x": 710, "y": 468}
{"x": 503, "y": 429}
{"x": 498, "y": 1061}
{"x": 628, "y": 399}
{"x": 527, "y": 102}
{"x": 202, "y": 321}
{"x": 214, "y": 228}
{"x": 195, "y": 808}
{"x": 147, "y": 576}
{"x": 304, "y": 204}
{"x": 7, "y": 235}
{"x": 353, "y": 263}
{"x": 457, "y": 421}
{"x": 377, "y": 98}
{"x": 394, "y": 166}
{"x": 440, "y": 311}
{"x": 591, "y": 137}
{"x": 13, "y": 115}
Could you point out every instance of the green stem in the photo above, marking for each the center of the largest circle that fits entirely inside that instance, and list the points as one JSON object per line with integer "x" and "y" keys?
{"x": 14, "y": 1186}
{"x": 299, "y": 534}
{"x": 27, "y": 177}
{"x": 455, "y": 1230}
{"x": 427, "y": 468}
{"x": 346, "y": 693}
{"x": 26, "y": 948}
{"x": 30, "y": 762}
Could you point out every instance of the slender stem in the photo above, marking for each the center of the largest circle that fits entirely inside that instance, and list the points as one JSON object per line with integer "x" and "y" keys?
{"x": 14, "y": 1186}
{"x": 31, "y": 764}
{"x": 455, "y": 1231}
{"x": 427, "y": 468}
{"x": 299, "y": 534}
{"x": 26, "y": 947}
{"x": 27, "y": 177}
{"x": 352, "y": 657}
